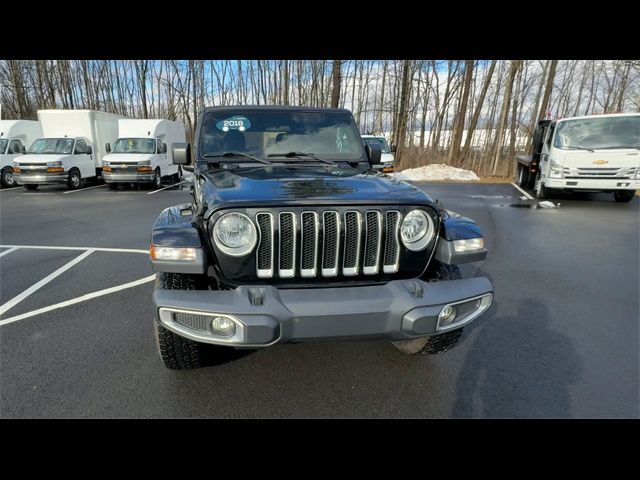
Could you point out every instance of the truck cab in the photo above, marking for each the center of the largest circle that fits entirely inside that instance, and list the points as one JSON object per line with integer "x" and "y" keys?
{"x": 140, "y": 154}
{"x": 15, "y": 137}
{"x": 387, "y": 159}
{"x": 598, "y": 153}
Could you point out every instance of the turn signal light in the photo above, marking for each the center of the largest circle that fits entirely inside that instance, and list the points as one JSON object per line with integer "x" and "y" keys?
{"x": 55, "y": 169}
{"x": 17, "y": 170}
{"x": 144, "y": 169}
{"x": 179, "y": 254}
{"x": 106, "y": 169}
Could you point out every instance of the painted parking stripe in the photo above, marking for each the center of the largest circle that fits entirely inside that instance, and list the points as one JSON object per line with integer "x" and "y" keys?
{"x": 83, "y": 298}
{"x": 36, "y": 286}
{"x": 83, "y": 189}
{"x": 523, "y": 192}
{"x": 11, "y": 249}
{"x": 96, "y": 249}
{"x": 10, "y": 188}
{"x": 164, "y": 188}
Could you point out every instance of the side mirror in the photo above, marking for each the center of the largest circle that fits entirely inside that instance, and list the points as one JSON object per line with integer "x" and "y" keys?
{"x": 181, "y": 153}
{"x": 164, "y": 148}
{"x": 23, "y": 149}
{"x": 89, "y": 150}
{"x": 374, "y": 152}
{"x": 107, "y": 147}
{"x": 394, "y": 149}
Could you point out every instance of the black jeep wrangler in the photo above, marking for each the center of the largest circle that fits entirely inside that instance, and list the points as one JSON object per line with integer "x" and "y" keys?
{"x": 292, "y": 237}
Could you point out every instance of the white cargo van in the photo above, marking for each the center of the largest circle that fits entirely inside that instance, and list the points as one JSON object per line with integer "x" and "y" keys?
{"x": 15, "y": 137}
{"x": 70, "y": 149}
{"x": 142, "y": 152}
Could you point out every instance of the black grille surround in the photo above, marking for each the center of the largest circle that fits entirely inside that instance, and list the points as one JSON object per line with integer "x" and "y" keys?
{"x": 324, "y": 245}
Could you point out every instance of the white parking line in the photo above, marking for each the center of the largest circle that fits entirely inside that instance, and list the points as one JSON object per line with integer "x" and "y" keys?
{"x": 523, "y": 192}
{"x": 10, "y": 188}
{"x": 12, "y": 249}
{"x": 164, "y": 188}
{"x": 83, "y": 189}
{"x": 96, "y": 249}
{"x": 36, "y": 286}
{"x": 82, "y": 298}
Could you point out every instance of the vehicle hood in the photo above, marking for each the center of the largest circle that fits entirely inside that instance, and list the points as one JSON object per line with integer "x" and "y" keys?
{"x": 598, "y": 159}
{"x": 281, "y": 185}
{"x": 40, "y": 159}
{"x": 387, "y": 158}
{"x": 127, "y": 157}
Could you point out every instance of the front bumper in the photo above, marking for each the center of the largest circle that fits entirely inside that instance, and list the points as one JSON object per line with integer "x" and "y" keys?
{"x": 113, "y": 177}
{"x": 592, "y": 183}
{"x": 40, "y": 178}
{"x": 264, "y": 315}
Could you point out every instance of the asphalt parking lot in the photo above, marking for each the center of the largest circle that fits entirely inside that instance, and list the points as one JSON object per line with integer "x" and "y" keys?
{"x": 560, "y": 341}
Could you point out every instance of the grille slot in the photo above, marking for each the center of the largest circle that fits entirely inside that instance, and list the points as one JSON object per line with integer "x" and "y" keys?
{"x": 194, "y": 322}
{"x": 287, "y": 245}
{"x": 309, "y": 244}
{"x": 392, "y": 248}
{"x": 265, "y": 248}
{"x": 373, "y": 242}
{"x": 331, "y": 244}
{"x": 352, "y": 240}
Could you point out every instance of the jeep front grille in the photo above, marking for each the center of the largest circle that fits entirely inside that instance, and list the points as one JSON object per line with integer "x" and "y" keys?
{"x": 329, "y": 243}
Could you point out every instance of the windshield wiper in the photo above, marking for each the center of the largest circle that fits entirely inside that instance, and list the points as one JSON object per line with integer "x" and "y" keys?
{"x": 621, "y": 146}
{"x": 301, "y": 154}
{"x": 239, "y": 154}
{"x": 573, "y": 147}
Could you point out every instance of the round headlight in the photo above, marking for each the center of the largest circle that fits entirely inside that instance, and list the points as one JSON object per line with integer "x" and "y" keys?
{"x": 235, "y": 234}
{"x": 416, "y": 230}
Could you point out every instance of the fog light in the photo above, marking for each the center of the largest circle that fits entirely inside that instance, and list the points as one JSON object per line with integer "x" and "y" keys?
{"x": 223, "y": 326}
{"x": 447, "y": 315}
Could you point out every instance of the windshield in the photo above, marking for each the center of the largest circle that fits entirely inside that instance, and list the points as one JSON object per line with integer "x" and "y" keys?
{"x": 598, "y": 133}
{"x": 384, "y": 146}
{"x": 62, "y": 146}
{"x": 3, "y": 145}
{"x": 263, "y": 133}
{"x": 134, "y": 145}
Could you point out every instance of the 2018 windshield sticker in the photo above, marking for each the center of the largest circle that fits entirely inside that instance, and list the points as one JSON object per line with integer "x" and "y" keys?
{"x": 234, "y": 123}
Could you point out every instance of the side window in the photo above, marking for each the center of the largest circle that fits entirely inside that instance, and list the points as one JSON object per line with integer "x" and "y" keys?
{"x": 15, "y": 147}
{"x": 552, "y": 130}
{"x": 81, "y": 146}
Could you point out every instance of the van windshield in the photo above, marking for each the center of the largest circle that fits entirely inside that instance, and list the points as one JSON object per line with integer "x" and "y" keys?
{"x": 60, "y": 146}
{"x": 384, "y": 146}
{"x": 134, "y": 145}
{"x": 268, "y": 133}
{"x": 598, "y": 133}
{"x": 3, "y": 145}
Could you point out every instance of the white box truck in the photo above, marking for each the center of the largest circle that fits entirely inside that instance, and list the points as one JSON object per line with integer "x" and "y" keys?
{"x": 142, "y": 153}
{"x": 592, "y": 153}
{"x": 387, "y": 159}
{"x": 15, "y": 137}
{"x": 70, "y": 149}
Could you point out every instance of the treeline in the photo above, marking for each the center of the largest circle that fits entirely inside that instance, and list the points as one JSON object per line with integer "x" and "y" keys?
{"x": 469, "y": 113}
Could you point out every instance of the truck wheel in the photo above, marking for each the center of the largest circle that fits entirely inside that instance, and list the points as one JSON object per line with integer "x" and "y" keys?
{"x": 523, "y": 176}
{"x": 31, "y": 187}
{"x": 179, "y": 353}
{"x": 75, "y": 180}
{"x": 624, "y": 195}
{"x": 540, "y": 190}
{"x": 7, "y": 178}
{"x": 112, "y": 186}
{"x": 157, "y": 179}
{"x": 438, "y": 272}
{"x": 178, "y": 175}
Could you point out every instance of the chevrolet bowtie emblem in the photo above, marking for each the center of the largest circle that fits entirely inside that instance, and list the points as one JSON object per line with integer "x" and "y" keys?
{"x": 600, "y": 162}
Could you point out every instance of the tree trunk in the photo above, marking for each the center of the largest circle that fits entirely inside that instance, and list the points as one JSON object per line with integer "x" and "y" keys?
{"x": 337, "y": 80}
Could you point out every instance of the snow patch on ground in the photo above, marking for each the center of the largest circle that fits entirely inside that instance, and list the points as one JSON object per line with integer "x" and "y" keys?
{"x": 437, "y": 172}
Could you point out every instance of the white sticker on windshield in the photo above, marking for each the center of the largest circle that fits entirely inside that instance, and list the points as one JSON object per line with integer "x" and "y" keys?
{"x": 234, "y": 123}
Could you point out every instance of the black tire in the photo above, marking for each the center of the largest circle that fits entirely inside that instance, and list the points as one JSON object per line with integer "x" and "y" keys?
{"x": 112, "y": 186}
{"x": 179, "y": 353}
{"x": 438, "y": 272}
{"x": 157, "y": 179}
{"x": 7, "y": 178}
{"x": 541, "y": 192}
{"x": 75, "y": 179}
{"x": 523, "y": 176}
{"x": 624, "y": 196}
{"x": 33, "y": 188}
{"x": 178, "y": 175}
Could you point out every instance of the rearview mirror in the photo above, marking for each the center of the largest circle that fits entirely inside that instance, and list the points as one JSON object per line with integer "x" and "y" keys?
{"x": 181, "y": 153}
{"x": 374, "y": 152}
{"x": 107, "y": 147}
{"x": 89, "y": 150}
{"x": 23, "y": 149}
{"x": 164, "y": 148}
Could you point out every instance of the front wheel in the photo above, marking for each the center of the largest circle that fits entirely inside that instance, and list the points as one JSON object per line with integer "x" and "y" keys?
{"x": 157, "y": 179}
{"x": 7, "y": 178}
{"x": 178, "y": 175}
{"x": 624, "y": 195}
{"x": 74, "y": 180}
{"x": 540, "y": 190}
